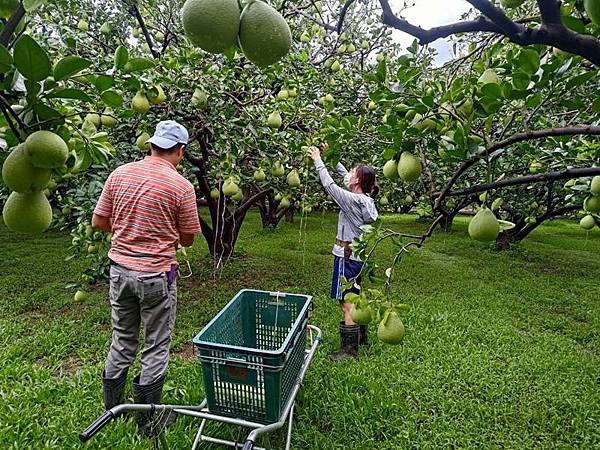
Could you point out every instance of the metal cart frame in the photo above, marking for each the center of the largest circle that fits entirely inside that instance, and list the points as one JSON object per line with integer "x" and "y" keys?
{"x": 201, "y": 411}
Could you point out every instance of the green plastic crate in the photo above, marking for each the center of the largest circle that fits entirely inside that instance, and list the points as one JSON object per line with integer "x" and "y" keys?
{"x": 252, "y": 353}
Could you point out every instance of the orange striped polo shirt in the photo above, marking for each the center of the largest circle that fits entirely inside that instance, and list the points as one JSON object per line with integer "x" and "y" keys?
{"x": 149, "y": 204}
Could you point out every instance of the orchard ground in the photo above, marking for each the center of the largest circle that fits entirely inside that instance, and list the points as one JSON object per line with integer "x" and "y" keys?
{"x": 502, "y": 349}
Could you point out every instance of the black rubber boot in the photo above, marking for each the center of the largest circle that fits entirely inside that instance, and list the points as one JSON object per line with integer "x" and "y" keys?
{"x": 112, "y": 389}
{"x": 348, "y": 342}
{"x": 150, "y": 394}
{"x": 363, "y": 335}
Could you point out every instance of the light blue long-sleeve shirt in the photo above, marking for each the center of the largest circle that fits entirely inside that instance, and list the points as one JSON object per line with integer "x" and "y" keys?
{"x": 356, "y": 210}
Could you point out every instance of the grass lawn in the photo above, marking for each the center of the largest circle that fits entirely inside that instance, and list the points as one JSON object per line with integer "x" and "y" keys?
{"x": 502, "y": 350}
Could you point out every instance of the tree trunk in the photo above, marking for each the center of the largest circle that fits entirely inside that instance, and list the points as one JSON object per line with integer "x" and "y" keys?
{"x": 270, "y": 213}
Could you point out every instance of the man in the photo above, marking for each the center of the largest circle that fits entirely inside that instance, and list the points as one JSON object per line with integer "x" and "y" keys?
{"x": 150, "y": 209}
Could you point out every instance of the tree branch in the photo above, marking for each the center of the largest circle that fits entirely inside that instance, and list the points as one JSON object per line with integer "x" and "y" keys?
{"x": 343, "y": 15}
{"x": 515, "y": 138}
{"x": 552, "y": 31}
{"x": 529, "y": 179}
{"x": 136, "y": 13}
{"x": 550, "y": 11}
{"x": 11, "y": 25}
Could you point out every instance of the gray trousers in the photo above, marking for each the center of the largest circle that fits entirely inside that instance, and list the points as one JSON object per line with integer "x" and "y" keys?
{"x": 147, "y": 299}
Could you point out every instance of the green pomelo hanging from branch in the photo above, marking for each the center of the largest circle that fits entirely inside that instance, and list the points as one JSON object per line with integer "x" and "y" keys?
{"x": 587, "y": 223}
{"x": 265, "y": 36}
{"x": 27, "y": 213}
{"x": 47, "y": 150}
{"x": 20, "y": 175}
{"x": 391, "y": 329}
{"x": 484, "y": 226}
{"x": 212, "y": 25}
{"x": 409, "y": 167}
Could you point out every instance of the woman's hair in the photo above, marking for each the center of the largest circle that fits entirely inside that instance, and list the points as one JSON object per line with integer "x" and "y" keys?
{"x": 367, "y": 180}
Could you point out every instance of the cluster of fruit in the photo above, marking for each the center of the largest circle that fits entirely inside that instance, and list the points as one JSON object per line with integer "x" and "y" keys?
{"x": 390, "y": 329}
{"x": 218, "y": 25}
{"x": 592, "y": 205}
{"x": 27, "y": 171}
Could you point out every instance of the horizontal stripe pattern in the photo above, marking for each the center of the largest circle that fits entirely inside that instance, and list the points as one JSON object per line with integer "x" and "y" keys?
{"x": 149, "y": 204}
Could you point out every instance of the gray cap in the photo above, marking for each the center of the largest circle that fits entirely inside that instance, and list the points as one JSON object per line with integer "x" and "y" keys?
{"x": 168, "y": 134}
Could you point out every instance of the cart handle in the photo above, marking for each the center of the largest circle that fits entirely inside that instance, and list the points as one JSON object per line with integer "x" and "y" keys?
{"x": 98, "y": 424}
{"x": 249, "y": 445}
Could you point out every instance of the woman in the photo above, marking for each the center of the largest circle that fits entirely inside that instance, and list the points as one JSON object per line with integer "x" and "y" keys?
{"x": 357, "y": 208}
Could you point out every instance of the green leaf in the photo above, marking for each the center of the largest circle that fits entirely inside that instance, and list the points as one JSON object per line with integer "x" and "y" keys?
{"x": 32, "y": 5}
{"x": 71, "y": 43}
{"x": 138, "y": 64}
{"x": 581, "y": 79}
{"x": 520, "y": 80}
{"x": 30, "y": 59}
{"x": 534, "y": 101}
{"x": 71, "y": 93}
{"x": 103, "y": 82}
{"x": 5, "y": 60}
{"x": 491, "y": 90}
{"x": 121, "y": 56}
{"x": 112, "y": 98}
{"x": 529, "y": 61}
{"x": 44, "y": 112}
{"x": 574, "y": 24}
{"x": 69, "y": 66}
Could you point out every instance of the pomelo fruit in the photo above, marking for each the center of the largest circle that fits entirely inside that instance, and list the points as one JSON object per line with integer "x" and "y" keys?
{"x": 80, "y": 296}
{"x": 285, "y": 202}
{"x": 259, "y": 175}
{"x": 140, "y": 103}
{"x": 264, "y": 36}
{"x": 489, "y": 76}
{"x": 409, "y": 167}
{"x": 466, "y": 108}
{"x": 82, "y": 25}
{"x": 20, "y": 175}
{"x": 408, "y": 200}
{"x": 283, "y": 94}
{"x": 141, "y": 143}
{"x": 278, "y": 197}
{"x": 391, "y": 329}
{"x": 335, "y": 66}
{"x": 595, "y": 185}
{"x": 361, "y": 315}
{"x": 328, "y": 98}
{"x": 107, "y": 119}
{"x": 274, "y": 120}
{"x": 364, "y": 44}
{"x": 212, "y": 25}
{"x": 587, "y": 223}
{"x": 293, "y": 178}
{"x": 94, "y": 119}
{"x": 592, "y": 204}
{"x": 372, "y": 105}
{"x": 536, "y": 167}
{"x": 592, "y": 8}
{"x": 277, "y": 170}
{"x": 230, "y": 187}
{"x": 46, "y": 149}
{"x": 199, "y": 98}
{"x": 214, "y": 193}
{"x": 105, "y": 29}
{"x": 238, "y": 196}
{"x": 156, "y": 95}
{"x": 27, "y": 213}
{"x": 484, "y": 226}
{"x": 390, "y": 169}
{"x": 307, "y": 209}
{"x": 383, "y": 201}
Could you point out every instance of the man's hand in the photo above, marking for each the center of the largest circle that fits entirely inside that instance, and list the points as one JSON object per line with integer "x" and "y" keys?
{"x": 314, "y": 153}
{"x": 101, "y": 223}
{"x": 186, "y": 239}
